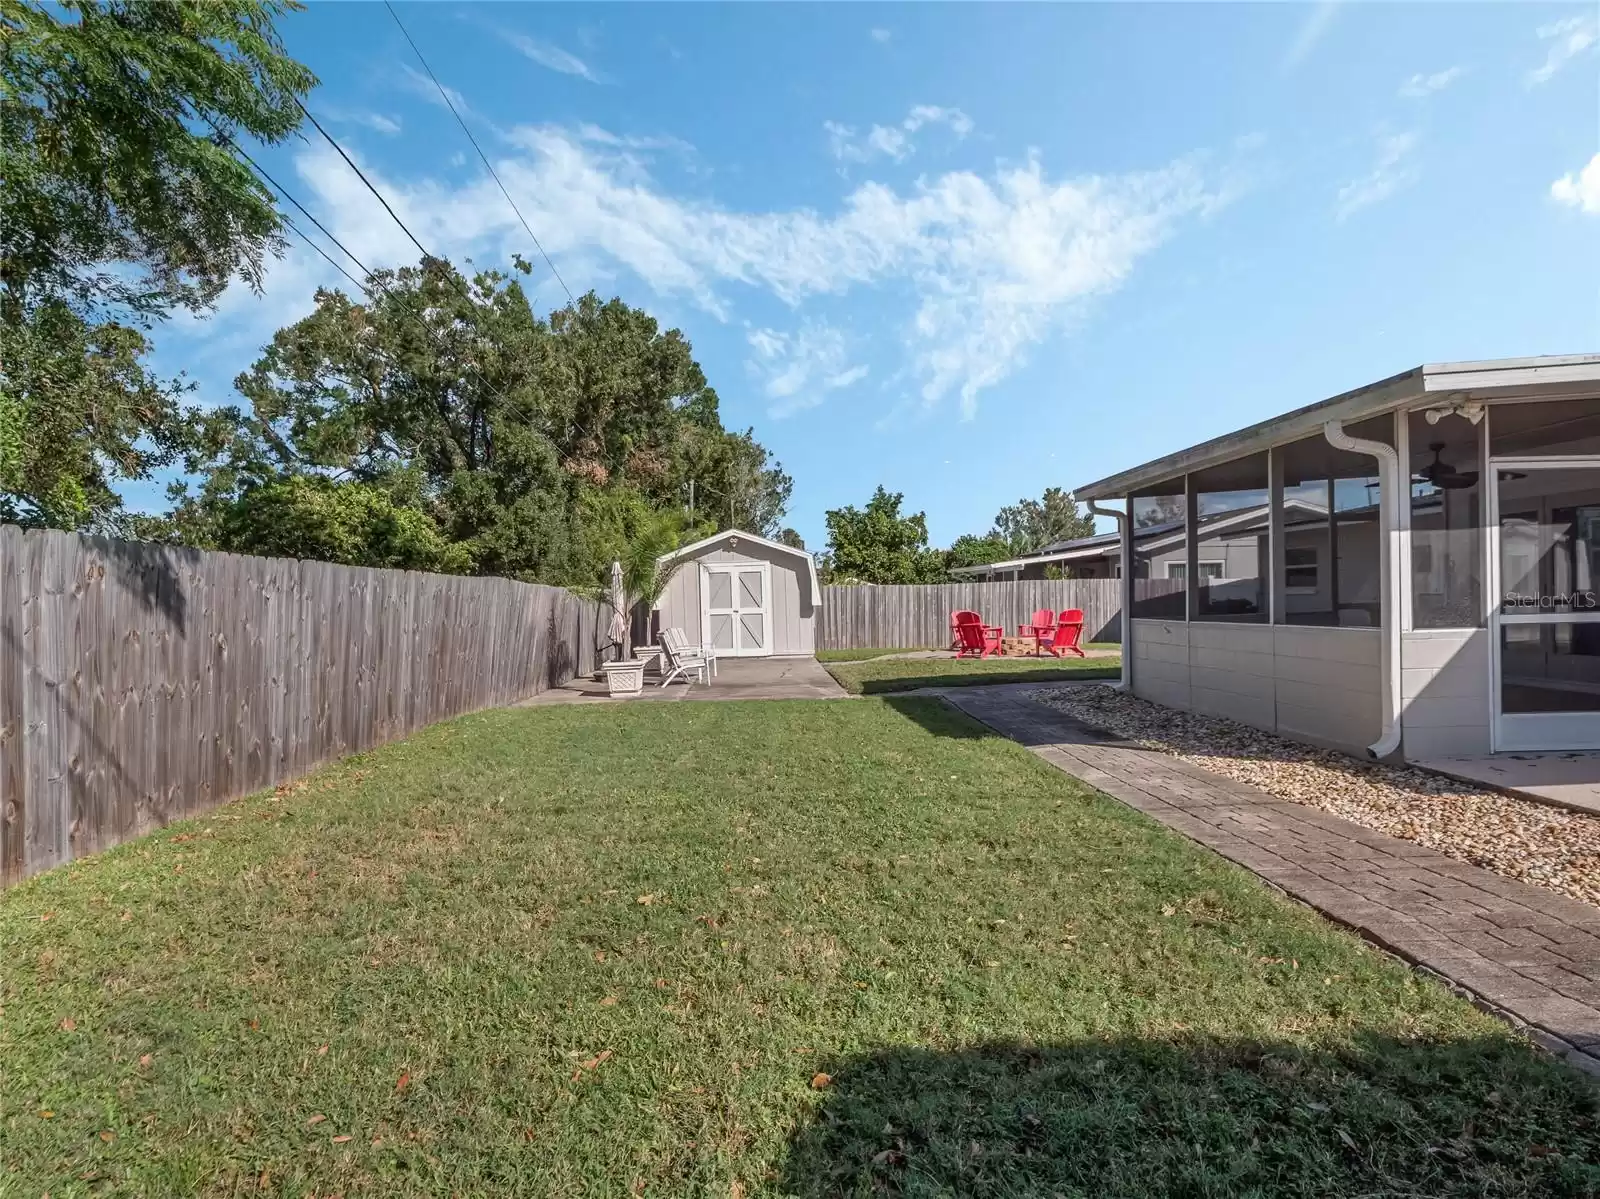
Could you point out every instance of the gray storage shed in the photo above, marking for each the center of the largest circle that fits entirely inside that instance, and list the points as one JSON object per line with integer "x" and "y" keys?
{"x": 746, "y": 596}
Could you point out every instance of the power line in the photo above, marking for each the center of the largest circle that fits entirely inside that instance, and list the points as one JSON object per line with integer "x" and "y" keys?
{"x": 450, "y": 104}
{"x": 372, "y": 278}
{"x": 361, "y": 175}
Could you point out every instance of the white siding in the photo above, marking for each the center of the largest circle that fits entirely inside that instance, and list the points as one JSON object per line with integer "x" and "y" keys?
{"x": 792, "y": 607}
{"x": 1444, "y": 681}
{"x": 1313, "y": 684}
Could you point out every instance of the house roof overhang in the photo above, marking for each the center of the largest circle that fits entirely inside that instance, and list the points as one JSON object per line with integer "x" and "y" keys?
{"x": 1554, "y": 377}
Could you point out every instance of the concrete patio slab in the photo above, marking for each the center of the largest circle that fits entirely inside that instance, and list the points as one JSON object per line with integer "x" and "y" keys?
{"x": 1566, "y": 779}
{"x": 736, "y": 678}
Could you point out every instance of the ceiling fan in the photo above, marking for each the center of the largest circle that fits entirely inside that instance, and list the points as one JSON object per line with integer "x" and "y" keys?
{"x": 1444, "y": 476}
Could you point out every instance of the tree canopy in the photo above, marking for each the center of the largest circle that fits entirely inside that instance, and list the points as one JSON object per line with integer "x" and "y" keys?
{"x": 1023, "y": 528}
{"x": 121, "y": 202}
{"x": 538, "y": 449}
{"x": 1029, "y": 525}
{"x": 877, "y": 544}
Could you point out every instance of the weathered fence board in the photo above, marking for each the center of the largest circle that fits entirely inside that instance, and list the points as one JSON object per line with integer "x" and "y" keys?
{"x": 914, "y": 617}
{"x": 143, "y": 683}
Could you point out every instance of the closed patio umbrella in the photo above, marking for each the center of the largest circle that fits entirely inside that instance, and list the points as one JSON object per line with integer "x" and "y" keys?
{"x": 619, "y": 604}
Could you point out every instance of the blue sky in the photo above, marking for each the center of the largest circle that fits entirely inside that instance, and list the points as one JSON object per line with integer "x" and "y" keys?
{"x": 972, "y": 252}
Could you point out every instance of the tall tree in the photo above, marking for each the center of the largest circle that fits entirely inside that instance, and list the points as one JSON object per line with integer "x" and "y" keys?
{"x": 110, "y": 157}
{"x": 877, "y": 544}
{"x": 540, "y": 448}
{"x": 121, "y": 202}
{"x": 971, "y": 550}
{"x": 1030, "y": 525}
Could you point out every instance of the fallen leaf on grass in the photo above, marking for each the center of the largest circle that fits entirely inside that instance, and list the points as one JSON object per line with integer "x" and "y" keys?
{"x": 316, "y": 1119}
{"x": 645, "y": 899}
{"x": 68, "y": 1024}
{"x": 597, "y": 1059}
{"x": 820, "y": 1080}
{"x": 145, "y": 1059}
{"x": 340, "y": 1140}
{"x": 609, "y": 1001}
{"x": 255, "y": 1025}
{"x": 404, "y": 1080}
{"x": 1348, "y": 1140}
{"x": 736, "y": 1190}
{"x": 107, "y": 1135}
{"x": 889, "y": 1157}
{"x": 322, "y": 1051}
{"x": 47, "y": 1114}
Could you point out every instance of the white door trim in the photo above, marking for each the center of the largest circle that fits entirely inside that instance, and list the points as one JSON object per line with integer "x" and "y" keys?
{"x": 1529, "y": 730}
{"x": 739, "y": 649}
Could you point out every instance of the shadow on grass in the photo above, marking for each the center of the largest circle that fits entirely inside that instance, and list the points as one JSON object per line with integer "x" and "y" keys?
{"x": 1381, "y": 1116}
{"x": 938, "y": 717}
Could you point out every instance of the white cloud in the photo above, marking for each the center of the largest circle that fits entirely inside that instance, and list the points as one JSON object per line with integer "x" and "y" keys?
{"x": 1420, "y": 86}
{"x": 420, "y": 85}
{"x": 971, "y": 272}
{"x": 880, "y": 34}
{"x": 1569, "y": 39}
{"x": 1389, "y": 174}
{"x": 797, "y": 370}
{"x": 893, "y": 141}
{"x": 551, "y": 56}
{"x": 1310, "y": 33}
{"x": 1580, "y": 189}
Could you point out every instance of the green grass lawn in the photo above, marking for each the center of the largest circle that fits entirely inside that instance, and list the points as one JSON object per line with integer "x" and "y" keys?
{"x": 882, "y": 675}
{"x": 731, "y": 949}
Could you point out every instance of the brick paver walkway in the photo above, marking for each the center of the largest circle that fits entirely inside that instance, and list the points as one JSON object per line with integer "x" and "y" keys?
{"x": 1523, "y": 952}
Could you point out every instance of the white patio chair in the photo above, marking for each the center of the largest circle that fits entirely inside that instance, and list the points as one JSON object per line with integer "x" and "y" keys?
{"x": 707, "y": 652}
{"x": 680, "y": 661}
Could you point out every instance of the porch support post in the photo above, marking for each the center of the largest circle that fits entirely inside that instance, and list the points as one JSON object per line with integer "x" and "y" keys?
{"x": 1276, "y": 612}
{"x": 1125, "y": 529}
{"x": 1191, "y": 550}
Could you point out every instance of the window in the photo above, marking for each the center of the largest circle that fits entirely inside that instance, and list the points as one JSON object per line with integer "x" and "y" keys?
{"x": 1541, "y": 429}
{"x": 1446, "y": 523}
{"x": 1159, "y": 540}
{"x": 1207, "y": 570}
{"x": 1300, "y": 569}
{"x": 1332, "y": 563}
{"x": 1230, "y": 507}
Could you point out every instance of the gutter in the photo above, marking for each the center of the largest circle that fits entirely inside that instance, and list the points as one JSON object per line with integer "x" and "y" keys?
{"x": 1389, "y": 493}
{"x": 1125, "y": 683}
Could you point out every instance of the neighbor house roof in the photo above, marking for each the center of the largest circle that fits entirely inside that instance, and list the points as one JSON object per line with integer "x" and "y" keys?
{"x": 1496, "y": 379}
{"x": 1150, "y": 537}
{"x": 689, "y": 551}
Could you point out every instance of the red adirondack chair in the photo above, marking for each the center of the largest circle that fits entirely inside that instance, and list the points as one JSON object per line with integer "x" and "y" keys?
{"x": 1040, "y": 628}
{"x": 955, "y": 619}
{"x": 1068, "y": 634}
{"x": 978, "y": 640}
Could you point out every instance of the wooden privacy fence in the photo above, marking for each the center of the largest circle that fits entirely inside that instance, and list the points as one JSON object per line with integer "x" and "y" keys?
{"x": 913, "y": 617}
{"x": 142, "y": 683}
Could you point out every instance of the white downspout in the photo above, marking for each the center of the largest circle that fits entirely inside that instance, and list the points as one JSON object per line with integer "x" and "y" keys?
{"x": 1125, "y": 683}
{"x": 1389, "y": 496}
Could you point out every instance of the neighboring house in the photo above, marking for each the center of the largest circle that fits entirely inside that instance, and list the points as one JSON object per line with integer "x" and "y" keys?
{"x": 1412, "y": 567}
{"x": 745, "y": 595}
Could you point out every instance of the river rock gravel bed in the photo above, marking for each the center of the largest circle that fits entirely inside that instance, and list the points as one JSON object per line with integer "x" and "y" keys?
{"x": 1514, "y": 837}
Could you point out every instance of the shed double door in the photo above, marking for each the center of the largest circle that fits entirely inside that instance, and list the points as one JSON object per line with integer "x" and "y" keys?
{"x": 738, "y": 609}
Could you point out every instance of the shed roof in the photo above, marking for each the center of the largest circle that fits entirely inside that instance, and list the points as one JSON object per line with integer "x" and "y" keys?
{"x": 705, "y": 543}
{"x": 1495, "y": 379}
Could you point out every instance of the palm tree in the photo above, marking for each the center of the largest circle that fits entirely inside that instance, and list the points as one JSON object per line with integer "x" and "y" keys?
{"x": 648, "y": 565}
